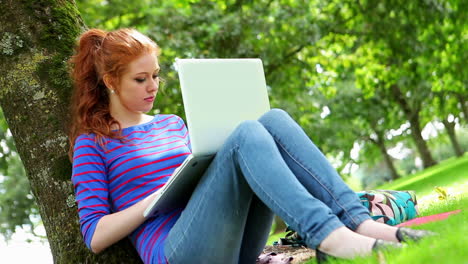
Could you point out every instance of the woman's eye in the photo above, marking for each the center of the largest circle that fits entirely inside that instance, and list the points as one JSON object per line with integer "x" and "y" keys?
{"x": 155, "y": 76}
{"x": 140, "y": 80}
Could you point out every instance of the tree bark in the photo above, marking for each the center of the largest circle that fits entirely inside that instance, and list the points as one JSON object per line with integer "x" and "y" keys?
{"x": 450, "y": 128}
{"x": 36, "y": 42}
{"x": 412, "y": 116}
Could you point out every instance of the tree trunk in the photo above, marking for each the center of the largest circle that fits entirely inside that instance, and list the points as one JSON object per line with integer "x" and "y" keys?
{"x": 450, "y": 127}
{"x": 380, "y": 143}
{"x": 413, "y": 117}
{"x": 462, "y": 100}
{"x": 388, "y": 160}
{"x": 37, "y": 40}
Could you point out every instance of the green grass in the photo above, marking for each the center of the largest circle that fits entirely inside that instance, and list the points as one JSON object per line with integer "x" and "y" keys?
{"x": 450, "y": 245}
{"x": 449, "y": 173}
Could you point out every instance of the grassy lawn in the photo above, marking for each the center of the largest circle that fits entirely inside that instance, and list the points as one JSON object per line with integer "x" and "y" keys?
{"x": 450, "y": 245}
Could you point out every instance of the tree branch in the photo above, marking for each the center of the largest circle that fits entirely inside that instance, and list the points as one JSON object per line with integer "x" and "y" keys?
{"x": 285, "y": 58}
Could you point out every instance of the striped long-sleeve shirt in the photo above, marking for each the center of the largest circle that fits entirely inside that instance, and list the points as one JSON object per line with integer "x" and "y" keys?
{"x": 121, "y": 173}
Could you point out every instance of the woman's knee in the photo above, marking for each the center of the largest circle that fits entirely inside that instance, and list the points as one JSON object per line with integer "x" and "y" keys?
{"x": 248, "y": 127}
{"x": 245, "y": 132}
{"x": 251, "y": 131}
{"x": 274, "y": 114}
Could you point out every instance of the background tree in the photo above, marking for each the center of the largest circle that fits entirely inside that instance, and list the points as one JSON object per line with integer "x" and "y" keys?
{"x": 387, "y": 63}
{"x": 356, "y": 118}
{"x": 445, "y": 67}
{"x": 444, "y": 107}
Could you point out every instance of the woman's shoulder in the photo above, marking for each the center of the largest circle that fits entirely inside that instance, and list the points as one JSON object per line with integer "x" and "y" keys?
{"x": 168, "y": 119}
{"x": 85, "y": 139}
{"x": 87, "y": 142}
{"x": 167, "y": 116}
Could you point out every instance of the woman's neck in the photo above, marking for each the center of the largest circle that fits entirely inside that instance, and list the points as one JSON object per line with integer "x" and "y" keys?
{"x": 131, "y": 119}
{"x": 125, "y": 117}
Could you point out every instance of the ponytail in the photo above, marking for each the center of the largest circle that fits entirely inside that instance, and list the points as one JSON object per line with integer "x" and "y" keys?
{"x": 90, "y": 100}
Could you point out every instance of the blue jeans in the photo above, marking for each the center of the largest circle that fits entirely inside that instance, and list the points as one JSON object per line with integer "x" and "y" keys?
{"x": 265, "y": 167}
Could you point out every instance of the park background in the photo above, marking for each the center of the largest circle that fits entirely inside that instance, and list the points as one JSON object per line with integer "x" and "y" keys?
{"x": 380, "y": 86}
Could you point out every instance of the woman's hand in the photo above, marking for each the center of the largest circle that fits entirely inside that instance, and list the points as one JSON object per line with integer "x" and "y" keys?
{"x": 113, "y": 227}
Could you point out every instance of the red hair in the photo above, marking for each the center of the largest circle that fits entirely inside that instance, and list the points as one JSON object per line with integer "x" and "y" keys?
{"x": 101, "y": 53}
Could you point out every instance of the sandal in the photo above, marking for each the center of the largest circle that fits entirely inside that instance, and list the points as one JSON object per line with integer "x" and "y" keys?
{"x": 404, "y": 234}
{"x": 379, "y": 245}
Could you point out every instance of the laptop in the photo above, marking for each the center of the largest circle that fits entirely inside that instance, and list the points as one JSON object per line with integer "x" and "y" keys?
{"x": 218, "y": 94}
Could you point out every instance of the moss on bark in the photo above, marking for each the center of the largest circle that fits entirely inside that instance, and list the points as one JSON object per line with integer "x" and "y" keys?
{"x": 37, "y": 39}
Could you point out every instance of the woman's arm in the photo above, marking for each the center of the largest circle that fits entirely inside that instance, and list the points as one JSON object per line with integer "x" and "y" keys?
{"x": 113, "y": 227}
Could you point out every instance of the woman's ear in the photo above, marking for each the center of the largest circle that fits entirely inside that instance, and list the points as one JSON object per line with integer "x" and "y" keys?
{"x": 108, "y": 81}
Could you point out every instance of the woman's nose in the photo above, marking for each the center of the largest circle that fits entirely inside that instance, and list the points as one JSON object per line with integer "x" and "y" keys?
{"x": 153, "y": 85}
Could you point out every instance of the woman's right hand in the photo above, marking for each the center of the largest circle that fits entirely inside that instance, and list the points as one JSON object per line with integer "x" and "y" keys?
{"x": 113, "y": 227}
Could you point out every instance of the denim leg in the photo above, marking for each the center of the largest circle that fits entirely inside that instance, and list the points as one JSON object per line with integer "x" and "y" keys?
{"x": 210, "y": 229}
{"x": 312, "y": 168}
{"x": 256, "y": 232}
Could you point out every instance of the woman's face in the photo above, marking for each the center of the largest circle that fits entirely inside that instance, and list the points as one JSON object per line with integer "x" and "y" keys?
{"x": 138, "y": 86}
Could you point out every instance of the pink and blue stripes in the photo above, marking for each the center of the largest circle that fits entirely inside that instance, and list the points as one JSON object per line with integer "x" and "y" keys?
{"x": 115, "y": 176}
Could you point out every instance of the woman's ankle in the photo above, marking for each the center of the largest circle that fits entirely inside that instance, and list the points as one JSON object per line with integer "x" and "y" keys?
{"x": 344, "y": 243}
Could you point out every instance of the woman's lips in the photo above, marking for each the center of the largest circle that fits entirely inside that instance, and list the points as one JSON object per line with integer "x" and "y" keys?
{"x": 149, "y": 99}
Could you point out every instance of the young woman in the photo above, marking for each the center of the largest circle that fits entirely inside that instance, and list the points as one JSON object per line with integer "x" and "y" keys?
{"x": 122, "y": 156}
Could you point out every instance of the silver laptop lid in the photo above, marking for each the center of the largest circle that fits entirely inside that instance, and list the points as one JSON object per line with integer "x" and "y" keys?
{"x": 218, "y": 95}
